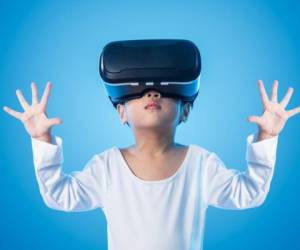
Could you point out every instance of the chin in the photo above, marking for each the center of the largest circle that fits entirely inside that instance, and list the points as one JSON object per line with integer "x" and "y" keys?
{"x": 153, "y": 124}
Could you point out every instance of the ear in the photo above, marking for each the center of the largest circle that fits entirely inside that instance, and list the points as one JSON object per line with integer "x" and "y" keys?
{"x": 185, "y": 110}
{"x": 122, "y": 112}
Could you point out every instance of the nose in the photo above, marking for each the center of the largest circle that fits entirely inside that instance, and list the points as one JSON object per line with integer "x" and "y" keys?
{"x": 153, "y": 94}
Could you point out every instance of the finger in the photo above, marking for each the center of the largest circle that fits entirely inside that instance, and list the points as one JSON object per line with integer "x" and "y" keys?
{"x": 22, "y": 100}
{"x": 255, "y": 119}
{"x": 293, "y": 112}
{"x": 45, "y": 96}
{"x": 12, "y": 112}
{"x": 263, "y": 94}
{"x": 274, "y": 91}
{"x": 287, "y": 97}
{"x": 34, "y": 93}
{"x": 54, "y": 121}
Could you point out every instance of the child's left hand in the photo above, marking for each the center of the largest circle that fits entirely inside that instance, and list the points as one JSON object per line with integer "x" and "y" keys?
{"x": 274, "y": 114}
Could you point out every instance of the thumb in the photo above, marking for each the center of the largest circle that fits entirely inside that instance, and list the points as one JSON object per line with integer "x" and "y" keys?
{"x": 54, "y": 121}
{"x": 254, "y": 119}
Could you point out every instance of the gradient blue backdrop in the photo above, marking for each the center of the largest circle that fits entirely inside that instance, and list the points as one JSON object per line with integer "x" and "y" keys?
{"x": 240, "y": 42}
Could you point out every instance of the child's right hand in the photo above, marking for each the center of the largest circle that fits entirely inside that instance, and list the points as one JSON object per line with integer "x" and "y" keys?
{"x": 34, "y": 117}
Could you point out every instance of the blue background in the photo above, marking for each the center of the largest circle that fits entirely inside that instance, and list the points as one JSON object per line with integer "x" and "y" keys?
{"x": 240, "y": 42}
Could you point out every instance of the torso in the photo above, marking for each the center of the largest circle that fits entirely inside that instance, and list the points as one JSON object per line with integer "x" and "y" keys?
{"x": 150, "y": 169}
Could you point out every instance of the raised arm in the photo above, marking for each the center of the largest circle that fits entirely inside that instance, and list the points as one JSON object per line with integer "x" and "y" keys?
{"x": 78, "y": 191}
{"x": 231, "y": 189}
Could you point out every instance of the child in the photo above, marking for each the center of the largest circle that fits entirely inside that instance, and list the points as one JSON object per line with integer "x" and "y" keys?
{"x": 155, "y": 193}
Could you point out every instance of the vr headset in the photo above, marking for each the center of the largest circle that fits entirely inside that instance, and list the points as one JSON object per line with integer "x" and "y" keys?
{"x": 170, "y": 66}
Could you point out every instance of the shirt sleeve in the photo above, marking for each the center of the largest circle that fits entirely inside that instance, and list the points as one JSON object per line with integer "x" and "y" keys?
{"x": 233, "y": 189}
{"x": 77, "y": 191}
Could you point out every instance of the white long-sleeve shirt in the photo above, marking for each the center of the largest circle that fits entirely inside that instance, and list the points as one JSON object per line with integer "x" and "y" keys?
{"x": 166, "y": 214}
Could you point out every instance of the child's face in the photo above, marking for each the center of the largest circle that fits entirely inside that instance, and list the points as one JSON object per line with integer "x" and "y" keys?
{"x": 167, "y": 114}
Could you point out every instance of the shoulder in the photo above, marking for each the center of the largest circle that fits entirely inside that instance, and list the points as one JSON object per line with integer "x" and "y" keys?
{"x": 101, "y": 161}
{"x": 106, "y": 154}
{"x": 102, "y": 164}
{"x": 199, "y": 150}
{"x": 206, "y": 157}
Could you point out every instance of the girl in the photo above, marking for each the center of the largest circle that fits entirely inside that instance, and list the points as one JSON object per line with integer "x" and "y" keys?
{"x": 155, "y": 193}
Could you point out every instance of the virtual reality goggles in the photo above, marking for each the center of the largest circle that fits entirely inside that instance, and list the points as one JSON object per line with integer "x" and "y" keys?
{"x": 132, "y": 67}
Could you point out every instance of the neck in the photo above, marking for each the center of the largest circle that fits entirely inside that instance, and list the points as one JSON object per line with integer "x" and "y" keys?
{"x": 154, "y": 143}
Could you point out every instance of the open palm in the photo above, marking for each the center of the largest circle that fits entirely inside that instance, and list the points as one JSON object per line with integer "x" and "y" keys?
{"x": 34, "y": 117}
{"x": 274, "y": 116}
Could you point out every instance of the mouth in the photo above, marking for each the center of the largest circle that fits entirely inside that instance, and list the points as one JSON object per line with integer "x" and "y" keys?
{"x": 152, "y": 105}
